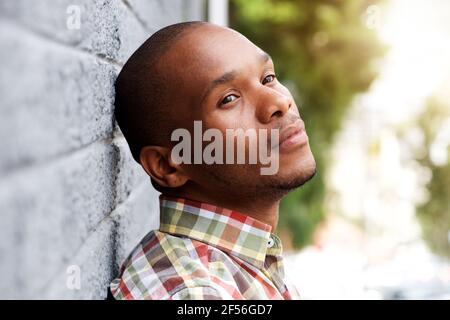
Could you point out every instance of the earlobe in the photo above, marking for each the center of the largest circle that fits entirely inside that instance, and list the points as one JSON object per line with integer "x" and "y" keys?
{"x": 157, "y": 163}
{"x": 176, "y": 180}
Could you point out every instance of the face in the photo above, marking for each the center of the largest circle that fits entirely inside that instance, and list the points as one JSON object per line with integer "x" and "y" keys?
{"x": 229, "y": 83}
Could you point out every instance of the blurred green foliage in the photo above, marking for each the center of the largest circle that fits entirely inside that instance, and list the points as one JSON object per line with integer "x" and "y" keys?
{"x": 434, "y": 214}
{"x": 325, "y": 53}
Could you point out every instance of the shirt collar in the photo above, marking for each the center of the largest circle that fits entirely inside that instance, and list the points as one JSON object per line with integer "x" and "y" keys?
{"x": 228, "y": 230}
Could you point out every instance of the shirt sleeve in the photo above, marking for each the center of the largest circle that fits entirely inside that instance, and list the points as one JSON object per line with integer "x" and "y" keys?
{"x": 201, "y": 293}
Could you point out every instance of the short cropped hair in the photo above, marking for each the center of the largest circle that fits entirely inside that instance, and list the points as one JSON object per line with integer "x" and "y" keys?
{"x": 142, "y": 95}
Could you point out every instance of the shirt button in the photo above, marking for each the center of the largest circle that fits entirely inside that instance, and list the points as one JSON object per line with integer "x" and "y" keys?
{"x": 270, "y": 243}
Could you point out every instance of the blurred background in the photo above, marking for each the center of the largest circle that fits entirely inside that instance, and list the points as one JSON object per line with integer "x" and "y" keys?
{"x": 371, "y": 79}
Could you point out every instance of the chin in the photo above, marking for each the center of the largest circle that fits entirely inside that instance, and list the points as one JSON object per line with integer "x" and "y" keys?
{"x": 281, "y": 186}
{"x": 294, "y": 176}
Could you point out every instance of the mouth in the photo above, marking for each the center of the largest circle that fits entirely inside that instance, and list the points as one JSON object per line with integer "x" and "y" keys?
{"x": 292, "y": 136}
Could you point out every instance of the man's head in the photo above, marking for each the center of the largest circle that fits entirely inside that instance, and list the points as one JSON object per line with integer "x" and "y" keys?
{"x": 197, "y": 71}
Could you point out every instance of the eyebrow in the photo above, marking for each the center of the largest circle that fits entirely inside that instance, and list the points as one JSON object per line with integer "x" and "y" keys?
{"x": 230, "y": 76}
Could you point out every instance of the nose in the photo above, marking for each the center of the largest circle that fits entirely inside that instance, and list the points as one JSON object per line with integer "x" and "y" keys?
{"x": 272, "y": 104}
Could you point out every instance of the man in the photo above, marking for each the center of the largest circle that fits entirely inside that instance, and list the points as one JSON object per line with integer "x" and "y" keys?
{"x": 215, "y": 240}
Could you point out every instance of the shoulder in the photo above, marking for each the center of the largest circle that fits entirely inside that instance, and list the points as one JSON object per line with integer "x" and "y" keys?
{"x": 163, "y": 266}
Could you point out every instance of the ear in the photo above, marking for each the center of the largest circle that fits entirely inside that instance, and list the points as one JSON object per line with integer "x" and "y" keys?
{"x": 158, "y": 164}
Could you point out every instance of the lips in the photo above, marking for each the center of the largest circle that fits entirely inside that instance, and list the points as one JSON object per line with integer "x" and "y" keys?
{"x": 291, "y": 131}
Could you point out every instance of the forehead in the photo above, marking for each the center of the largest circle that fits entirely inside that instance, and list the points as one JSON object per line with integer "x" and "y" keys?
{"x": 209, "y": 51}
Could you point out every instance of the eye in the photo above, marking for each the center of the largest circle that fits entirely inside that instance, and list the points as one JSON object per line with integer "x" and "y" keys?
{"x": 271, "y": 78}
{"x": 229, "y": 98}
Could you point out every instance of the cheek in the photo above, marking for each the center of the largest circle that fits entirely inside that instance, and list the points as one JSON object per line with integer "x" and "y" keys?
{"x": 229, "y": 119}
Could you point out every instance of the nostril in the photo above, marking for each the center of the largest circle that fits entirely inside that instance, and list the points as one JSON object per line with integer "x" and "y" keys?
{"x": 277, "y": 114}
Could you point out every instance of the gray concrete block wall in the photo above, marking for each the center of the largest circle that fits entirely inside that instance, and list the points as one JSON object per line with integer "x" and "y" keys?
{"x": 70, "y": 192}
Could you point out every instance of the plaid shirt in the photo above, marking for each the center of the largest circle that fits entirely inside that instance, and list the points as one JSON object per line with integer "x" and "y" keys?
{"x": 203, "y": 251}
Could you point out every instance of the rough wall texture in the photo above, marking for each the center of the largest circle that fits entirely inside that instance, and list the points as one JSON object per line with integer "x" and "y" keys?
{"x": 70, "y": 193}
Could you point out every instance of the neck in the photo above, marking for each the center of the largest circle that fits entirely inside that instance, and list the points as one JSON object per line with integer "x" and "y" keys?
{"x": 260, "y": 208}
